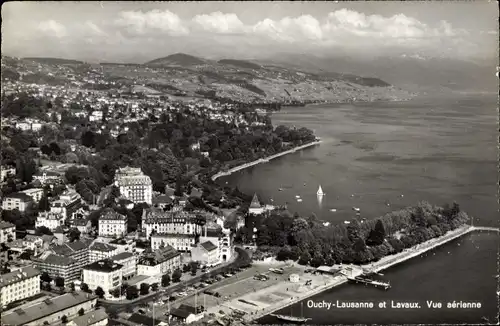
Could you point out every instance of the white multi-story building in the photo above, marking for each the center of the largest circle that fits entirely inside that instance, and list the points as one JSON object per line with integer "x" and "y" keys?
{"x": 50, "y": 220}
{"x": 6, "y": 171}
{"x": 101, "y": 250}
{"x": 162, "y": 261}
{"x": 20, "y": 284}
{"x": 48, "y": 177}
{"x": 7, "y": 232}
{"x": 155, "y": 221}
{"x": 104, "y": 273}
{"x": 96, "y": 116}
{"x": 67, "y": 204}
{"x": 220, "y": 237}
{"x": 35, "y": 193}
{"x": 206, "y": 253}
{"x": 181, "y": 242}
{"x": 134, "y": 185}
{"x": 17, "y": 200}
{"x": 112, "y": 224}
{"x": 129, "y": 262}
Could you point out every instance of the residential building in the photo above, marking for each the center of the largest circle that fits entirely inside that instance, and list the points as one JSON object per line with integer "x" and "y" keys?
{"x": 6, "y": 171}
{"x": 83, "y": 225}
{"x": 112, "y": 224}
{"x": 134, "y": 185}
{"x": 17, "y": 200}
{"x": 19, "y": 285}
{"x": 162, "y": 202}
{"x": 220, "y": 237}
{"x": 171, "y": 222}
{"x": 48, "y": 177}
{"x": 58, "y": 266}
{"x": 51, "y": 310}
{"x": 181, "y": 242}
{"x": 7, "y": 232}
{"x": 33, "y": 243}
{"x": 92, "y": 318}
{"x": 129, "y": 262}
{"x": 103, "y": 273}
{"x": 186, "y": 313}
{"x": 206, "y": 253}
{"x": 50, "y": 220}
{"x": 101, "y": 250}
{"x": 67, "y": 204}
{"x": 161, "y": 261}
{"x": 35, "y": 193}
{"x": 125, "y": 244}
{"x": 77, "y": 250}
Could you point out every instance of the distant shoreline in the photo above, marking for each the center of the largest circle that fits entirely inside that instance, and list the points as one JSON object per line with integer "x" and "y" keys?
{"x": 264, "y": 160}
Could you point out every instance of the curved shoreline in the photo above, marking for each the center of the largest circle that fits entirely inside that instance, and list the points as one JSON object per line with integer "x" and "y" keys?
{"x": 263, "y": 160}
{"x": 382, "y": 264}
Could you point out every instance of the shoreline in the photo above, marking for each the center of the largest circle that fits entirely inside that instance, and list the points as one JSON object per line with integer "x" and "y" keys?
{"x": 263, "y": 160}
{"x": 382, "y": 264}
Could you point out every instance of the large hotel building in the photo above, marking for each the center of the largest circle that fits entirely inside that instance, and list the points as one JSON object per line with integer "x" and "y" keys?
{"x": 134, "y": 185}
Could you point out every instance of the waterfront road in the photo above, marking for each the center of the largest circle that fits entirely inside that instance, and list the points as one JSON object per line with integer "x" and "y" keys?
{"x": 118, "y": 307}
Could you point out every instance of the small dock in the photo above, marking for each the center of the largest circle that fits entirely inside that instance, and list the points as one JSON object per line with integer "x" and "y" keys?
{"x": 368, "y": 281}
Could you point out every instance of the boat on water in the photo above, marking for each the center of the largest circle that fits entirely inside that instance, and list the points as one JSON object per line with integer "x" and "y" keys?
{"x": 356, "y": 209}
{"x": 299, "y": 200}
{"x": 297, "y": 196}
{"x": 333, "y": 210}
{"x": 320, "y": 191}
{"x": 347, "y": 222}
{"x": 291, "y": 319}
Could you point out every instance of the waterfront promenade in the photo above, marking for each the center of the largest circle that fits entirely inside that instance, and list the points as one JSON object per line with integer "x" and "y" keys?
{"x": 279, "y": 296}
{"x": 263, "y": 160}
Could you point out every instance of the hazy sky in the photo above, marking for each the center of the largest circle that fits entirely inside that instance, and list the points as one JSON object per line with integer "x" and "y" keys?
{"x": 141, "y": 31}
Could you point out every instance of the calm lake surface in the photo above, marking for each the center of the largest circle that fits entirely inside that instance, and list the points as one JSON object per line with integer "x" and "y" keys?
{"x": 384, "y": 156}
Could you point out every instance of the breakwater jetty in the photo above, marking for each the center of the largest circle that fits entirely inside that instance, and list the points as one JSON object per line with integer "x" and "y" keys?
{"x": 355, "y": 271}
{"x": 264, "y": 160}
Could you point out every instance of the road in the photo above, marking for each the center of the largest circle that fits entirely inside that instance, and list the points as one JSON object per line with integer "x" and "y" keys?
{"x": 243, "y": 256}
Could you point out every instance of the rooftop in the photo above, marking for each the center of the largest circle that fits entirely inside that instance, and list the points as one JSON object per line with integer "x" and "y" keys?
{"x": 20, "y": 195}
{"x": 70, "y": 247}
{"x": 121, "y": 256}
{"x": 109, "y": 214}
{"x": 90, "y": 318}
{"x": 209, "y": 246}
{"x": 18, "y": 275}
{"x": 6, "y": 225}
{"x": 139, "y": 319}
{"x": 105, "y": 265}
{"x": 101, "y": 246}
{"x": 159, "y": 256}
{"x": 45, "y": 308}
{"x": 255, "y": 202}
{"x": 52, "y": 259}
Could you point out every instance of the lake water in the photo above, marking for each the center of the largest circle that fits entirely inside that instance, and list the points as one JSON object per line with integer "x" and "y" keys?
{"x": 384, "y": 156}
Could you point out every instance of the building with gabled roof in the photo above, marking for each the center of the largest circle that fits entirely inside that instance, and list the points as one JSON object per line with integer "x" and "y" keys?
{"x": 92, "y": 318}
{"x": 206, "y": 253}
{"x": 112, "y": 224}
{"x": 101, "y": 250}
{"x": 159, "y": 262}
{"x": 103, "y": 273}
{"x": 7, "y": 231}
{"x": 51, "y": 310}
{"x": 134, "y": 184}
{"x": 17, "y": 200}
{"x": 19, "y": 284}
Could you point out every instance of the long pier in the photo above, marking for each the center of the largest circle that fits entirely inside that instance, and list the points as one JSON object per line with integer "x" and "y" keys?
{"x": 263, "y": 160}
{"x": 384, "y": 285}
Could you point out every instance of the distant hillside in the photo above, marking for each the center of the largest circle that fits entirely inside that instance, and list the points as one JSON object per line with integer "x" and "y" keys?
{"x": 240, "y": 63}
{"x": 55, "y": 61}
{"x": 120, "y": 64}
{"x": 178, "y": 59}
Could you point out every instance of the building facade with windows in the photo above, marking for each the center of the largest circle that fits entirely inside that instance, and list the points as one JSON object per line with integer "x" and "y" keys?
{"x": 35, "y": 193}
{"x": 171, "y": 222}
{"x": 101, "y": 250}
{"x": 162, "y": 261}
{"x": 19, "y": 285}
{"x": 103, "y": 273}
{"x": 134, "y": 185}
{"x": 112, "y": 224}
{"x": 206, "y": 253}
{"x": 17, "y": 200}
{"x": 49, "y": 220}
{"x": 129, "y": 262}
{"x": 58, "y": 266}
{"x": 7, "y": 232}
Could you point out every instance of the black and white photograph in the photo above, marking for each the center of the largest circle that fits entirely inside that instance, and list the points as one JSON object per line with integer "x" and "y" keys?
{"x": 236, "y": 163}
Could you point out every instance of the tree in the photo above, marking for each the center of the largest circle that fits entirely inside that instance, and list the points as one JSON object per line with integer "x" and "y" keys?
{"x": 64, "y": 319}
{"x": 81, "y": 312}
{"x": 115, "y": 292}
{"x": 165, "y": 280}
{"x": 99, "y": 292}
{"x": 59, "y": 282}
{"x": 74, "y": 234}
{"x": 154, "y": 287}
{"x": 176, "y": 276}
{"x": 377, "y": 235}
{"x": 186, "y": 268}
{"x": 283, "y": 254}
{"x": 45, "y": 277}
{"x": 43, "y": 204}
{"x": 84, "y": 287}
{"x": 88, "y": 139}
{"x": 178, "y": 187}
{"x": 41, "y": 230}
{"x": 72, "y": 286}
{"x": 132, "y": 292}
{"x": 144, "y": 288}
{"x": 193, "y": 267}
{"x": 304, "y": 258}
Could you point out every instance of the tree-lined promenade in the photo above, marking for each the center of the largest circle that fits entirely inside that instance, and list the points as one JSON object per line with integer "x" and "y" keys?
{"x": 310, "y": 242}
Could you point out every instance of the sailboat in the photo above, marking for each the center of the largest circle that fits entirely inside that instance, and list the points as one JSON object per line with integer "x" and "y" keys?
{"x": 293, "y": 319}
{"x": 320, "y": 191}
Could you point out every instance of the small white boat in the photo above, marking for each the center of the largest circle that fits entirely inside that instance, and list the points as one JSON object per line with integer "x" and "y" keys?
{"x": 347, "y": 222}
{"x": 299, "y": 200}
{"x": 326, "y": 223}
{"x": 320, "y": 191}
{"x": 297, "y": 196}
{"x": 333, "y": 210}
{"x": 356, "y": 209}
